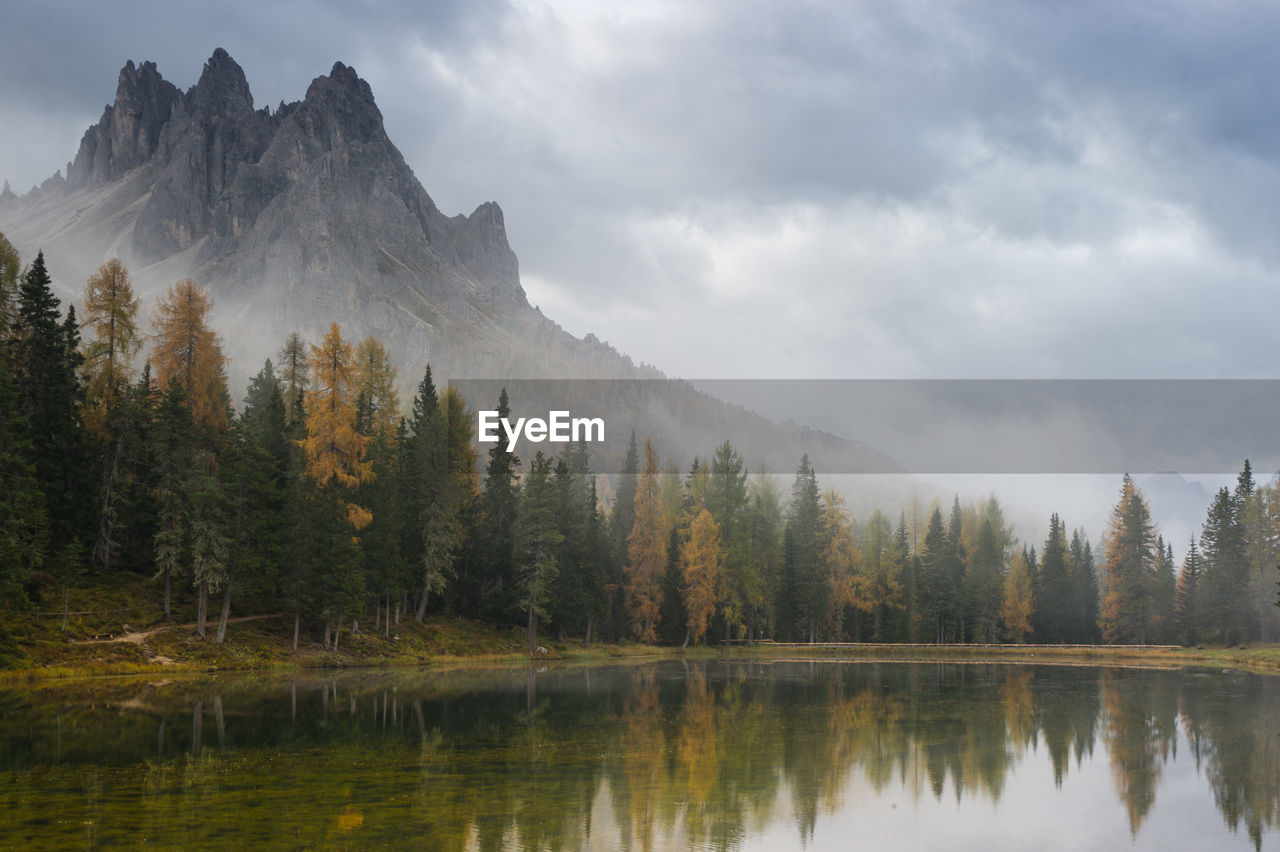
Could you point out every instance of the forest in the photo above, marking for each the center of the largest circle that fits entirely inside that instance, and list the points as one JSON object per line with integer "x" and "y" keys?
{"x": 323, "y": 496}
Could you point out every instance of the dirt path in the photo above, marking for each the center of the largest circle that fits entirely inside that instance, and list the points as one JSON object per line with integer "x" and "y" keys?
{"x": 139, "y": 637}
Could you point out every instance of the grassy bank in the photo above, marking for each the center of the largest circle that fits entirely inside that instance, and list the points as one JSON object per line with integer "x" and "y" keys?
{"x": 116, "y": 628}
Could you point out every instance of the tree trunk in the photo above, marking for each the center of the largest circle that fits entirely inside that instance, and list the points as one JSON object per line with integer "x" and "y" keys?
{"x": 686, "y": 639}
{"x": 328, "y": 631}
{"x": 386, "y": 624}
{"x": 586, "y": 639}
{"x": 533, "y": 632}
{"x": 377, "y": 616}
{"x": 337, "y": 631}
{"x": 297, "y": 623}
{"x": 355, "y": 627}
{"x": 397, "y": 613}
{"x": 168, "y": 611}
{"x": 66, "y": 605}
{"x": 422, "y": 602}
{"x": 202, "y": 607}
{"x": 226, "y": 612}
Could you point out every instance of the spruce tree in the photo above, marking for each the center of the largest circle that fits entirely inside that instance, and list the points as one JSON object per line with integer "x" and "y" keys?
{"x": 536, "y": 543}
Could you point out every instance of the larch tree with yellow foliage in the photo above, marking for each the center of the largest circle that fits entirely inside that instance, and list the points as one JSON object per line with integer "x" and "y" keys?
{"x": 377, "y": 403}
{"x": 839, "y": 559}
{"x": 334, "y": 449}
{"x": 1018, "y": 603}
{"x": 190, "y": 365}
{"x": 186, "y": 350}
{"x": 700, "y": 566}
{"x": 334, "y": 455}
{"x": 646, "y": 551}
{"x": 110, "y": 313}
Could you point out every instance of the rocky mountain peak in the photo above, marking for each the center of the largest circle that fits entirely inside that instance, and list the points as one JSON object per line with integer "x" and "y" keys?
{"x": 222, "y": 88}
{"x": 128, "y": 133}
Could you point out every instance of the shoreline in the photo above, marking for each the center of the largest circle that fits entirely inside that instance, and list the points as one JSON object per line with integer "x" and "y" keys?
{"x": 258, "y": 645}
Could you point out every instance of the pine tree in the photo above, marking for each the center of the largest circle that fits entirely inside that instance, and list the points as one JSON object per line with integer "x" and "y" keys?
{"x": 646, "y": 552}
{"x": 804, "y": 522}
{"x": 50, "y": 399}
{"x": 954, "y": 569}
{"x": 1128, "y": 574}
{"x": 934, "y": 581}
{"x": 1084, "y": 590}
{"x": 24, "y": 532}
{"x": 985, "y": 585}
{"x": 726, "y": 500}
{"x": 1224, "y": 582}
{"x": 492, "y": 566}
{"x": 1164, "y": 627}
{"x": 173, "y": 442}
{"x": 295, "y": 376}
{"x": 536, "y": 543}
{"x": 1186, "y": 604}
{"x": 1054, "y": 620}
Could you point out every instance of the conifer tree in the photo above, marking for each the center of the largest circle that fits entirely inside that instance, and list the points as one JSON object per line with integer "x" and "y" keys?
{"x": 700, "y": 566}
{"x": 377, "y": 403}
{"x": 1186, "y": 604}
{"x": 804, "y": 521}
{"x": 1224, "y": 582}
{"x": 10, "y": 277}
{"x": 1054, "y": 619}
{"x": 493, "y": 567}
{"x": 536, "y": 544}
{"x": 985, "y": 585}
{"x": 50, "y": 399}
{"x": 295, "y": 376}
{"x": 646, "y": 552}
{"x": 879, "y": 573}
{"x": 1018, "y": 603}
{"x": 1084, "y": 590}
{"x": 1128, "y": 574}
{"x": 24, "y": 529}
{"x": 187, "y": 349}
{"x": 934, "y": 581}
{"x": 335, "y": 451}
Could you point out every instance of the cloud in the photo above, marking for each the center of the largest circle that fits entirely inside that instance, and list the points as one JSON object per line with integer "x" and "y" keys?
{"x": 819, "y": 189}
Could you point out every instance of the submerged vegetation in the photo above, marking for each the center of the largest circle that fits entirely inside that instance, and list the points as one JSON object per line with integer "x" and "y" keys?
{"x": 700, "y": 755}
{"x": 346, "y": 516}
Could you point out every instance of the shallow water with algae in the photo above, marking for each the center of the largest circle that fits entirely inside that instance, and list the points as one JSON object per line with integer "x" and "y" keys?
{"x": 663, "y": 755}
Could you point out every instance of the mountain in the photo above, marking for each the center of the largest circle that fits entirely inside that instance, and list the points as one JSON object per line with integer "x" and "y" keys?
{"x": 308, "y": 214}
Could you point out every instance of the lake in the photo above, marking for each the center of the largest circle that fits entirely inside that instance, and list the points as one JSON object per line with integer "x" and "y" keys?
{"x": 664, "y": 755}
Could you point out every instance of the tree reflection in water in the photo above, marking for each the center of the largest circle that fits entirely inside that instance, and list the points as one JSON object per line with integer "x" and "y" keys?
{"x": 664, "y": 755}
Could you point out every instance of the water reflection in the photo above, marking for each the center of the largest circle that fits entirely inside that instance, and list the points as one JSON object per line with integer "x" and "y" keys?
{"x": 670, "y": 755}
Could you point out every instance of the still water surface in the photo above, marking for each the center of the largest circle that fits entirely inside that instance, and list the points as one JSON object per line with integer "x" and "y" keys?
{"x": 784, "y": 755}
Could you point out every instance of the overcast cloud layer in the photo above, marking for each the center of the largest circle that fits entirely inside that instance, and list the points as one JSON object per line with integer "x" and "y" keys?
{"x": 777, "y": 190}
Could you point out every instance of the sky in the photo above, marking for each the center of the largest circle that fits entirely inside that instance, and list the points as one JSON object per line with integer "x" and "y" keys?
{"x": 790, "y": 190}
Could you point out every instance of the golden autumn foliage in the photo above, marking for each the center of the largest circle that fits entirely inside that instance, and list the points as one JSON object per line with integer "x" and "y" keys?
{"x": 335, "y": 451}
{"x": 110, "y": 311}
{"x": 187, "y": 350}
{"x": 375, "y": 388}
{"x": 700, "y": 565}
{"x": 646, "y": 551}
{"x": 1018, "y": 603}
